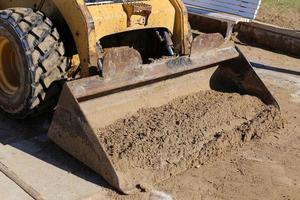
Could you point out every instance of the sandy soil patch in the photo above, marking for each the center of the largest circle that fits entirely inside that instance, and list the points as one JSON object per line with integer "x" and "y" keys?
{"x": 284, "y": 16}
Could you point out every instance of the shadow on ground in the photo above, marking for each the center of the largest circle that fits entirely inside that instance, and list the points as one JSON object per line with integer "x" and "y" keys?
{"x": 275, "y": 69}
{"x": 30, "y": 136}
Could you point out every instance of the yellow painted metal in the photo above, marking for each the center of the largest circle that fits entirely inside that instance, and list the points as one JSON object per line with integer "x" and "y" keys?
{"x": 90, "y": 23}
{"x": 82, "y": 27}
{"x": 9, "y": 75}
{"x": 181, "y": 28}
{"x": 94, "y": 22}
{"x": 111, "y": 18}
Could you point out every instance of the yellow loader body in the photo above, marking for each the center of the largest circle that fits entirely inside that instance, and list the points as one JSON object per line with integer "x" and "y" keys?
{"x": 90, "y": 22}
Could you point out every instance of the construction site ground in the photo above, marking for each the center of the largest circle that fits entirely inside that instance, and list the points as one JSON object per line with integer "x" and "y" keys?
{"x": 265, "y": 168}
{"x": 284, "y": 13}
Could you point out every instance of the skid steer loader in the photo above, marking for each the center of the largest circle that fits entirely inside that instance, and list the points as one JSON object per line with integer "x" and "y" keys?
{"x": 113, "y": 58}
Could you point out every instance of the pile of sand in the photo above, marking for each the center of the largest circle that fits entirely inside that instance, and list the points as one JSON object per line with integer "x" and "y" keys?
{"x": 157, "y": 138}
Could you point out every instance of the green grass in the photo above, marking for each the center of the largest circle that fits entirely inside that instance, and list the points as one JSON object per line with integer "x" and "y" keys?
{"x": 287, "y": 4}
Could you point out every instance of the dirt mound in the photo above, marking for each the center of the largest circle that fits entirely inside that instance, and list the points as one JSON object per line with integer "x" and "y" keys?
{"x": 185, "y": 132}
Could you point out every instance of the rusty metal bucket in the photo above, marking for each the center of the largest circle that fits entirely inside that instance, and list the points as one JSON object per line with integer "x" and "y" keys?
{"x": 89, "y": 104}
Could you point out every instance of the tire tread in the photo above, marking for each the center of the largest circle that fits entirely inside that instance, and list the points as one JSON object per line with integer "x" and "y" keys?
{"x": 44, "y": 50}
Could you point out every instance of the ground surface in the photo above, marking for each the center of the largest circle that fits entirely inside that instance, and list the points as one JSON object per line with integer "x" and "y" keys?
{"x": 266, "y": 168}
{"x": 284, "y": 13}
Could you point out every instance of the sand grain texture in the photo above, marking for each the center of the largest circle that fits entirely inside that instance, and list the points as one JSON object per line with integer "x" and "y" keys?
{"x": 184, "y": 133}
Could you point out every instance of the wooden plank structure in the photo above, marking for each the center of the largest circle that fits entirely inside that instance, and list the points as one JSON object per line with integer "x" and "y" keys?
{"x": 229, "y": 11}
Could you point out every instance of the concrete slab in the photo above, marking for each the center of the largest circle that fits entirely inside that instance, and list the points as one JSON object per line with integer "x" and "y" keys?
{"x": 49, "y": 170}
{"x": 277, "y": 69}
{"x": 11, "y": 191}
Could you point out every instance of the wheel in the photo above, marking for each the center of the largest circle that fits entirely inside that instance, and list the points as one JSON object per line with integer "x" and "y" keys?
{"x": 32, "y": 60}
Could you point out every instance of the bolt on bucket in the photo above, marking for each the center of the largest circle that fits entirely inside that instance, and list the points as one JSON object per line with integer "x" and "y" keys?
{"x": 138, "y": 131}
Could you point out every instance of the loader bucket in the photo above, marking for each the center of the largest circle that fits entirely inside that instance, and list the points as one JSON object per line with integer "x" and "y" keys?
{"x": 88, "y": 105}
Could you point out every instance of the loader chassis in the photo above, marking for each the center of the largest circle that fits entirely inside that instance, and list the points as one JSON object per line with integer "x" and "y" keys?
{"x": 91, "y": 22}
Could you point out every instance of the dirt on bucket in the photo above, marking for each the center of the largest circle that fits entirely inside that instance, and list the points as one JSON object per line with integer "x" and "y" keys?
{"x": 185, "y": 132}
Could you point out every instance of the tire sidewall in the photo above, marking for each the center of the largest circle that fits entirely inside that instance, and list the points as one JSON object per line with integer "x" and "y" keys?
{"x": 16, "y": 104}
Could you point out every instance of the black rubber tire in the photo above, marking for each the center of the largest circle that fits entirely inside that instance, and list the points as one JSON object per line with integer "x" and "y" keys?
{"x": 42, "y": 61}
